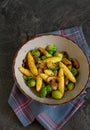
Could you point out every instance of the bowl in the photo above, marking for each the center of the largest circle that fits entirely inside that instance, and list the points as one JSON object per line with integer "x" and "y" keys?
{"x": 64, "y": 44}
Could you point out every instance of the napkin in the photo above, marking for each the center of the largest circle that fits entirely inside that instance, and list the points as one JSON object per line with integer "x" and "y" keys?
{"x": 50, "y": 117}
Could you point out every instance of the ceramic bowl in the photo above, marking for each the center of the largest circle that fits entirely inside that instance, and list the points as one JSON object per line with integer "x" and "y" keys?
{"x": 64, "y": 44}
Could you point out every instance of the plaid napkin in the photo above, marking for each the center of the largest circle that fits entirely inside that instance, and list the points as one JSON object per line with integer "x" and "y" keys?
{"x": 50, "y": 117}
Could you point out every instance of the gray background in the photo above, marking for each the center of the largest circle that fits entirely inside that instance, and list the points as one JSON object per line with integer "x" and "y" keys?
{"x": 20, "y": 20}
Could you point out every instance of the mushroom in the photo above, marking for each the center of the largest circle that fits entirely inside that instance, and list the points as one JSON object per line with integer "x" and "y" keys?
{"x": 76, "y": 63}
{"x": 41, "y": 65}
{"x": 53, "y": 81}
{"x": 25, "y": 63}
{"x": 65, "y": 54}
{"x": 66, "y": 61}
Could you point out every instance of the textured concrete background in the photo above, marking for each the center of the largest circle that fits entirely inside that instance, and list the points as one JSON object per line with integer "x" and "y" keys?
{"x": 19, "y": 21}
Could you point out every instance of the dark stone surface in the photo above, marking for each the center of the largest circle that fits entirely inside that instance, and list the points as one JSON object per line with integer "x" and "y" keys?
{"x": 19, "y": 21}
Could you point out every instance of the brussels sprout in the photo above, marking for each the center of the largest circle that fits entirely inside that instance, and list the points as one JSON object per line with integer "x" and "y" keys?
{"x": 49, "y": 88}
{"x": 74, "y": 71}
{"x": 43, "y": 57}
{"x": 51, "y": 52}
{"x": 51, "y": 48}
{"x": 36, "y": 53}
{"x": 27, "y": 77}
{"x": 58, "y": 54}
{"x": 57, "y": 94}
{"x": 70, "y": 86}
{"x": 31, "y": 82}
{"x": 43, "y": 92}
{"x": 66, "y": 89}
{"x": 70, "y": 58}
{"x": 55, "y": 71}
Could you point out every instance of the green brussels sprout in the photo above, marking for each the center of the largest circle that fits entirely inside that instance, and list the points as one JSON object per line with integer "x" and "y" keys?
{"x": 51, "y": 52}
{"x": 27, "y": 77}
{"x": 43, "y": 92}
{"x": 35, "y": 53}
{"x": 66, "y": 89}
{"x": 31, "y": 82}
{"x": 57, "y": 94}
{"x": 49, "y": 88}
{"x": 55, "y": 71}
{"x": 58, "y": 54}
{"x": 74, "y": 71}
{"x": 70, "y": 86}
{"x": 51, "y": 48}
{"x": 70, "y": 58}
{"x": 43, "y": 57}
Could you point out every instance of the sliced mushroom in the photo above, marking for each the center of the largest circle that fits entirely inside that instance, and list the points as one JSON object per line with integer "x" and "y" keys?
{"x": 76, "y": 63}
{"x": 65, "y": 54}
{"x": 53, "y": 81}
{"x": 41, "y": 65}
{"x": 54, "y": 84}
{"x": 66, "y": 61}
{"x": 25, "y": 63}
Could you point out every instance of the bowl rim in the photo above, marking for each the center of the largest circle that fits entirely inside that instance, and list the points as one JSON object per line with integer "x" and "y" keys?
{"x": 41, "y": 35}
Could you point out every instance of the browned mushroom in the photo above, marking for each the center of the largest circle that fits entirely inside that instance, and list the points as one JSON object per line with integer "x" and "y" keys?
{"x": 41, "y": 65}
{"x": 65, "y": 54}
{"x": 66, "y": 61}
{"x": 25, "y": 63}
{"x": 76, "y": 63}
{"x": 53, "y": 81}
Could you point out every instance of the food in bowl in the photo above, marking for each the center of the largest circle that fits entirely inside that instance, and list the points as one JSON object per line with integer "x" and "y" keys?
{"x": 63, "y": 44}
{"x": 51, "y": 73}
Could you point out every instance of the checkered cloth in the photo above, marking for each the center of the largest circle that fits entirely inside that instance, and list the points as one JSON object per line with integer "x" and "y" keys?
{"x": 50, "y": 117}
